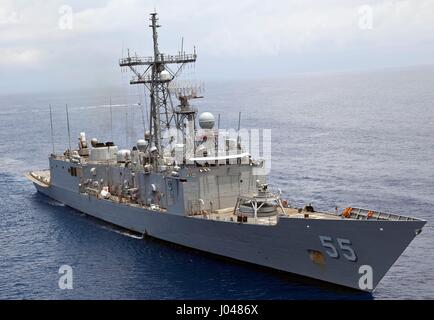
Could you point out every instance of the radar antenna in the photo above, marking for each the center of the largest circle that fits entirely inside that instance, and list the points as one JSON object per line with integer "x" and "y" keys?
{"x": 157, "y": 77}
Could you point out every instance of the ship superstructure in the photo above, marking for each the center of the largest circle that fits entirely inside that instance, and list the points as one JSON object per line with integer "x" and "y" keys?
{"x": 185, "y": 183}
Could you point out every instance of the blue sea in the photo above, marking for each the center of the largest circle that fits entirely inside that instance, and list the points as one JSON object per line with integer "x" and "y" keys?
{"x": 363, "y": 139}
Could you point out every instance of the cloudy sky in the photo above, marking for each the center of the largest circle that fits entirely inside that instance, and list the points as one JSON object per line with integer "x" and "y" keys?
{"x": 60, "y": 44}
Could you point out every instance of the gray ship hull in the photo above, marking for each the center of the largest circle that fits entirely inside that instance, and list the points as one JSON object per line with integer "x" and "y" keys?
{"x": 287, "y": 246}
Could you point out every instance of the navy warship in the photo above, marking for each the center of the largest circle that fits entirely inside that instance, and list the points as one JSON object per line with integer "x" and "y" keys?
{"x": 186, "y": 183}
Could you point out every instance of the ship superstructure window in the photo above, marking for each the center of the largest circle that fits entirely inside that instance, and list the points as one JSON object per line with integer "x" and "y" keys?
{"x": 73, "y": 171}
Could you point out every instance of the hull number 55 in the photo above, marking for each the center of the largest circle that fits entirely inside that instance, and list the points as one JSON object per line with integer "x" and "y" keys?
{"x": 344, "y": 245}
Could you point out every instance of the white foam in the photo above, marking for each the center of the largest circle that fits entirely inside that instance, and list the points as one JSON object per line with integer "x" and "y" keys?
{"x": 124, "y": 233}
{"x": 55, "y": 203}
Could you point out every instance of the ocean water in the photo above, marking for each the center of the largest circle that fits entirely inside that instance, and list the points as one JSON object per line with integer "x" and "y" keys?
{"x": 362, "y": 139}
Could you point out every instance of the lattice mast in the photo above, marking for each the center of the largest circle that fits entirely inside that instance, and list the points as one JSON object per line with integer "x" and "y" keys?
{"x": 157, "y": 76}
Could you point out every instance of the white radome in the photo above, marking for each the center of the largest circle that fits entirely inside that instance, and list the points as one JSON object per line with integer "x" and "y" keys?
{"x": 165, "y": 75}
{"x": 123, "y": 155}
{"x": 142, "y": 145}
{"x": 206, "y": 120}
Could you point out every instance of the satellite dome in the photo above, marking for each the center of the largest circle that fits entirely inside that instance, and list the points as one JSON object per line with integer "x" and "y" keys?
{"x": 153, "y": 149}
{"x": 165, "y": 75}
{"x": 123, "y": 155}
{"x": 206, "y": 120}
{"x": 142, "y": 145}
{"x": 94, "y": 142}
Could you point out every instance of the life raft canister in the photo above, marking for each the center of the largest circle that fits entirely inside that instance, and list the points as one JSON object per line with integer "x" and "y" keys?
{"x": 347, "y": 212}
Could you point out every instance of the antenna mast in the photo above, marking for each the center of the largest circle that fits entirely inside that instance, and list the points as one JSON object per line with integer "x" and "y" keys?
{"x": 156, "y": 77}
{"x": 51, "y": 126}
{"x": 69, "y": 130}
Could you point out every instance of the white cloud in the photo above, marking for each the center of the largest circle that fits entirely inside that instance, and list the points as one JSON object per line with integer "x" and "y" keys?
{"x": 15, "y": 58}
{"x": 230, "y": 27}
{"x": 9, "y": 17}
{"x": 234, "y": 30}
{"x": 319, "y": 25}
{"x": 117, "y": 15}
